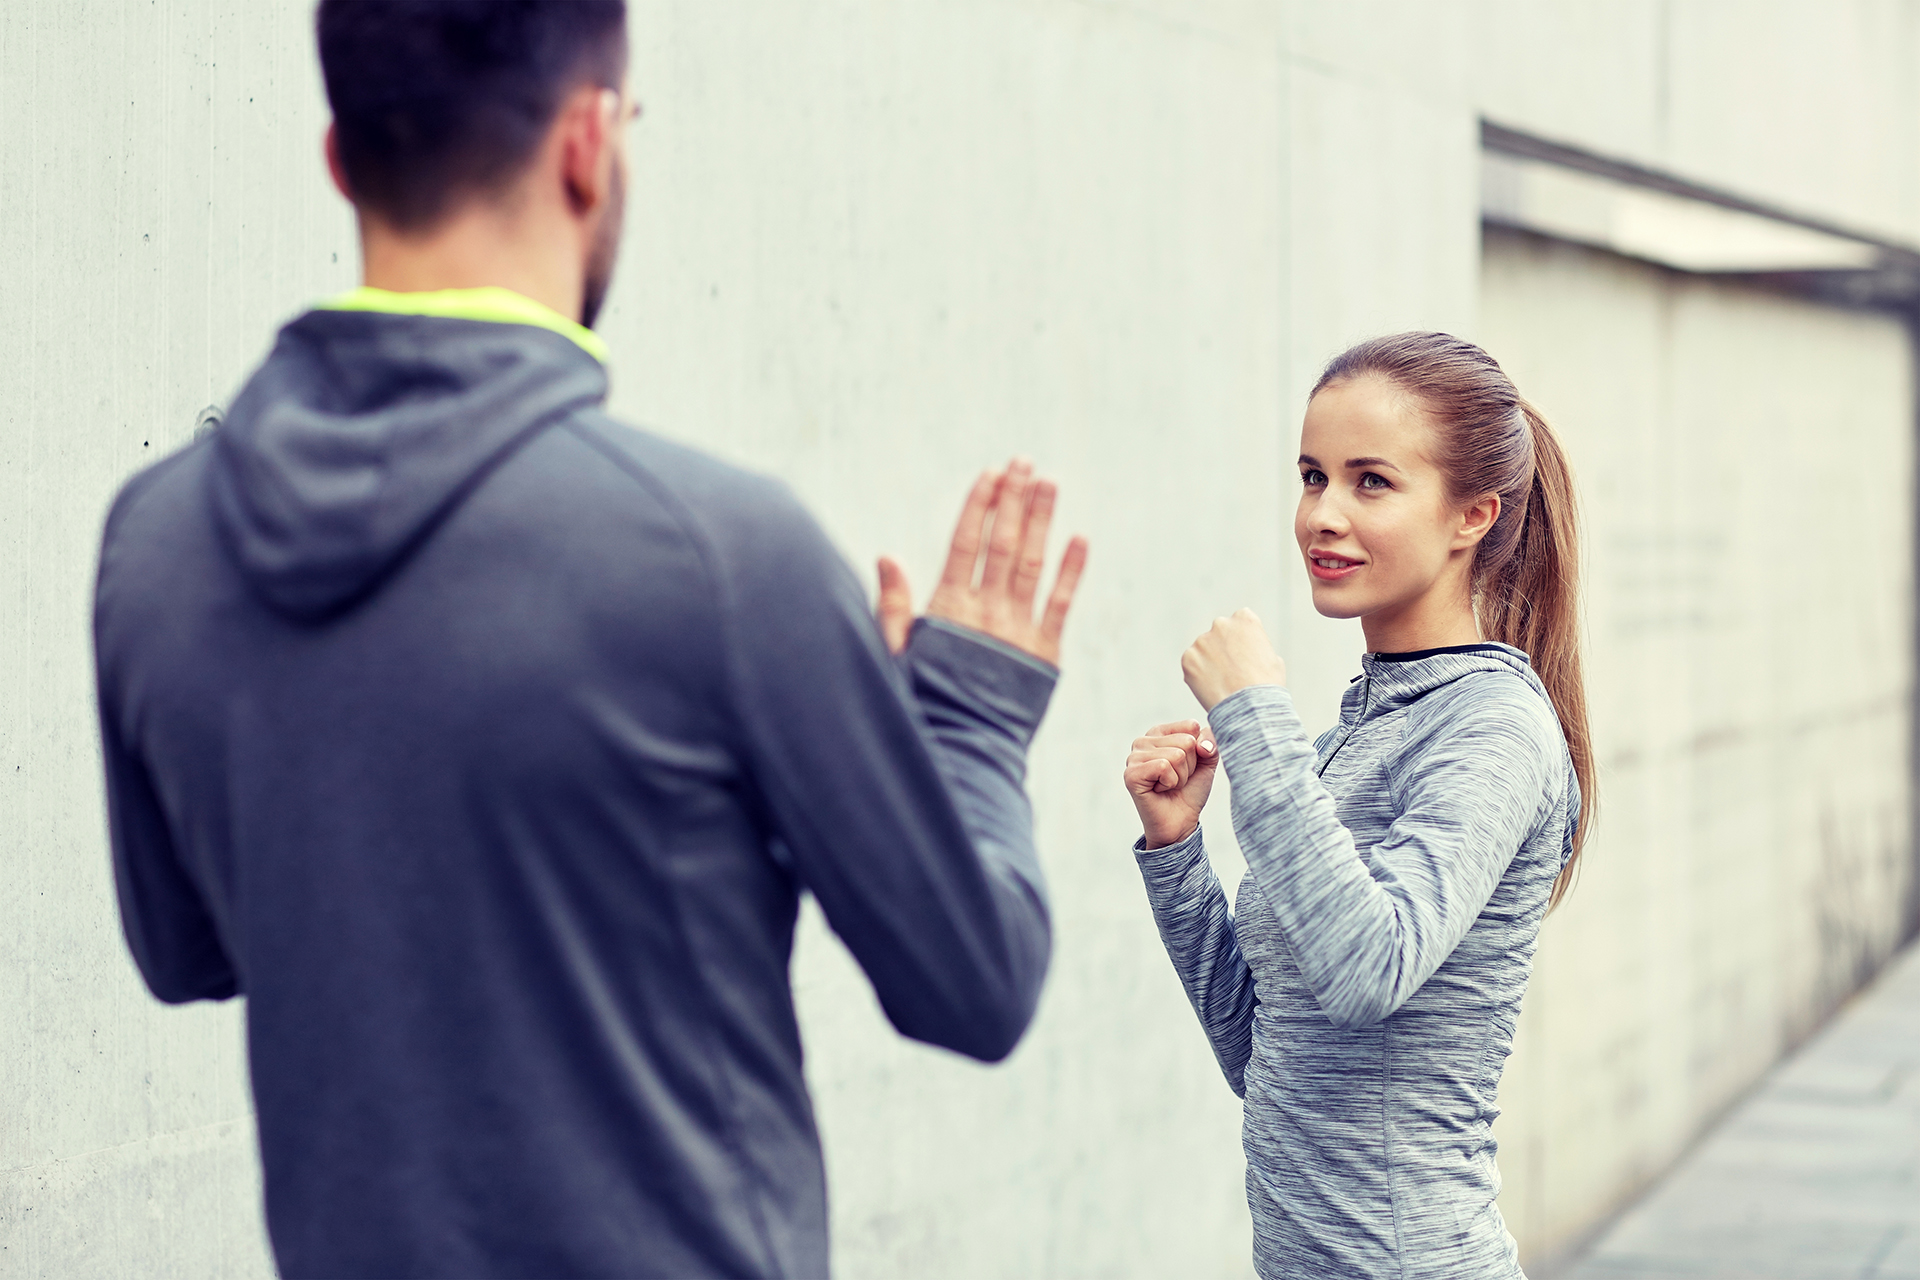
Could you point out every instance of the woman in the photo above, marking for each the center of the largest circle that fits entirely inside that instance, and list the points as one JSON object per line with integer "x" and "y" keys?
{"x": 1362, "y": 995}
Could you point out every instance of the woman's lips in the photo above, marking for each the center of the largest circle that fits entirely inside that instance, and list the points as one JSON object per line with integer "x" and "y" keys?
{"x": 1328, "y": 568}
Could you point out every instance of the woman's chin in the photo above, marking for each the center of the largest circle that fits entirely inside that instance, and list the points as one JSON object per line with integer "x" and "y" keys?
{"x": 1329, "y": 601}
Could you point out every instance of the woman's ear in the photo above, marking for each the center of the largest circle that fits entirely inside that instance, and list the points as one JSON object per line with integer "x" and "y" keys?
{"x": 1476, "y": 520}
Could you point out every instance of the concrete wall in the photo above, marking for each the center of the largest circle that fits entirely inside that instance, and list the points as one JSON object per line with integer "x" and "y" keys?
{"x": 876, "y": 244}
{"x": 162, "y": 211}
{"x": 1747, "y": 465}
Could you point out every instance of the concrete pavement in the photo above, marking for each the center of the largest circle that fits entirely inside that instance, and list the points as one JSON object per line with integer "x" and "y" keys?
{"x": 1815, "y": 1176}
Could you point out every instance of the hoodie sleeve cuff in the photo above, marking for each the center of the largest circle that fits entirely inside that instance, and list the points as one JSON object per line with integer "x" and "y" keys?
{"x": 1169, "y": 861}
{"x": 955, "y": 666}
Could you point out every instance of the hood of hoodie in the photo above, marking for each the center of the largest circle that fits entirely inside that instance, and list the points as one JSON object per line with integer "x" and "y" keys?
{"x": 363, "y": 430}
{"x": 1388, "y": 682}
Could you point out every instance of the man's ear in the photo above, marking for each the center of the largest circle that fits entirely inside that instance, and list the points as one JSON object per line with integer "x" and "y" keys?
{"x": 331, "y": 146}
{"x": 587, "y": 138}
{"x": 1476, "y": 520}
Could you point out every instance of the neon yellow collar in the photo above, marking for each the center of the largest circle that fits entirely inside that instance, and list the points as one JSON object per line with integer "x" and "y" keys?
{"x": 502, "y": 306}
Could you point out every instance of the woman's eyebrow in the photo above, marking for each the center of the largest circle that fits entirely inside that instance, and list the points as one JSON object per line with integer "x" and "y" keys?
{"x": 1306, "y": 461}
{"x": 1354, "y": 464}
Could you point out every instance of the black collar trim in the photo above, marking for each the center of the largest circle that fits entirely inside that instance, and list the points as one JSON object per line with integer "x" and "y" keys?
{"x": 1417, "y": 654}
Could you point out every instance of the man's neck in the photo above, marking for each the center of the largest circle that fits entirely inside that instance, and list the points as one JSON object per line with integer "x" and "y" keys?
{"x": 474, "y": 248}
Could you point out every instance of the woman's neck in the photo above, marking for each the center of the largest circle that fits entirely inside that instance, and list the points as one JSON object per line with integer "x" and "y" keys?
{"x": 1426, "y": 623}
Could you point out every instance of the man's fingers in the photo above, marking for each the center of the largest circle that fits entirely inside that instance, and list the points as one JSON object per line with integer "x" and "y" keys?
{"x": 1072, "y": 564}
{"x": 895, "y": 607}
{"x": 1009, "y": 515}
{"x": 1032, "y": 556}
{"x": 963, "y": 556}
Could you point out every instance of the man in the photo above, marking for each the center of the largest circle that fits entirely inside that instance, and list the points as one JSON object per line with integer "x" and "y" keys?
{"x": 485, "y": 744}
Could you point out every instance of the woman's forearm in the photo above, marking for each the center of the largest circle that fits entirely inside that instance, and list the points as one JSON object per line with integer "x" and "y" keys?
{"x": 1190, "y": 909}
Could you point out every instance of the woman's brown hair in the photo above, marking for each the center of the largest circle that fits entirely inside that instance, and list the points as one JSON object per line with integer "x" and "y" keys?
{"x": 1526, "y": 571}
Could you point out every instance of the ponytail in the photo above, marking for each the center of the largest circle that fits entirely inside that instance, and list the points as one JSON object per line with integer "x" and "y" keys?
{"x": 1526, "y": 570}
{"x": 1533, "y": 603}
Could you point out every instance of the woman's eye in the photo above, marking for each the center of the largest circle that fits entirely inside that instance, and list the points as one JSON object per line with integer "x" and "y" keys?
{"x": 1312, "y": 479}
{"x": 1373, "y": 480}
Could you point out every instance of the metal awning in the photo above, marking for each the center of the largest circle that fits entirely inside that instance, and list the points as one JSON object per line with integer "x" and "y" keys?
{"x": 1559, "y": 191}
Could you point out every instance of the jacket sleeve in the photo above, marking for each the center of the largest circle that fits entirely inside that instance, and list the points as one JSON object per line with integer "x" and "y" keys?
{"x": 166, "y": 921}
{"x": 1368, "y": 931}
{"x": 1196, "y": 926}
{"x": 898, "y": 786}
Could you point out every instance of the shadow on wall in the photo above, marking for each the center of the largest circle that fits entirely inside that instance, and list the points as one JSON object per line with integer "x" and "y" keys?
{"x": 1859, "y": 853}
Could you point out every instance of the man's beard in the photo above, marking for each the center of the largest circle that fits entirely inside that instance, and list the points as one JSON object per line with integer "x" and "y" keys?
{"x": 606, "y": 247}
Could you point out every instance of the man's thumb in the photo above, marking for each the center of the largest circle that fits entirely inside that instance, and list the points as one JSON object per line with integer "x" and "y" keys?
{"x": 895, "y": 608}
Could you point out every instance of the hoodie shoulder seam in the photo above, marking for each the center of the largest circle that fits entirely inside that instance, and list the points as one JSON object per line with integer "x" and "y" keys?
{"x": 637, "y": 471}
{"x": 683, "y": 519}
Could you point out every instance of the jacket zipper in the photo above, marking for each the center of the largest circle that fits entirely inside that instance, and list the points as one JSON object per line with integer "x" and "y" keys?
{"x": 1366, "y": 700}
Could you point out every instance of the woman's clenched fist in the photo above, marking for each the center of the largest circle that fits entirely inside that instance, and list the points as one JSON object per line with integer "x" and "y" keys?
{"x": 1169, "y": 774}
{"x": 1233, "y": 654}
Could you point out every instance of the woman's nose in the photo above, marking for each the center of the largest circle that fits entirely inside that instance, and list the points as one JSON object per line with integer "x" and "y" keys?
{"x": 1325, "y": 516}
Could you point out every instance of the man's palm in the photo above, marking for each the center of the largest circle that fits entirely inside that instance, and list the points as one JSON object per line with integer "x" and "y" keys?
{"x": 1008, "y": 514}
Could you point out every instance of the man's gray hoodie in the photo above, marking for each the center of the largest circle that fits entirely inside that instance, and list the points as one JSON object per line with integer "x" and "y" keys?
{"x": 486, "y": 745}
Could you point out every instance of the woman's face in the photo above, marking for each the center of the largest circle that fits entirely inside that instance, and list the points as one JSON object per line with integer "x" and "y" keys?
{"x": 1374, "y": 524}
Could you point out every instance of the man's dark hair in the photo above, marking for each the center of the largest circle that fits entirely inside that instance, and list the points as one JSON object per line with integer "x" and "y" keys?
{"x": 436, "y": 100}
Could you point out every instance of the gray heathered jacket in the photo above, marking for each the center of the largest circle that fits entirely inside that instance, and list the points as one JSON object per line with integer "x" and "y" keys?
{"x": 1363, "y": 994}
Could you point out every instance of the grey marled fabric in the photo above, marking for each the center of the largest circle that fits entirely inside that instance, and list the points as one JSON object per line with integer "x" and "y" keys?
{"x": 1362, "y": 995}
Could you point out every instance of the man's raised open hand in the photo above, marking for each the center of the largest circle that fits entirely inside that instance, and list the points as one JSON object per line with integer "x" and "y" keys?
{"x": 1008, "y": 515}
